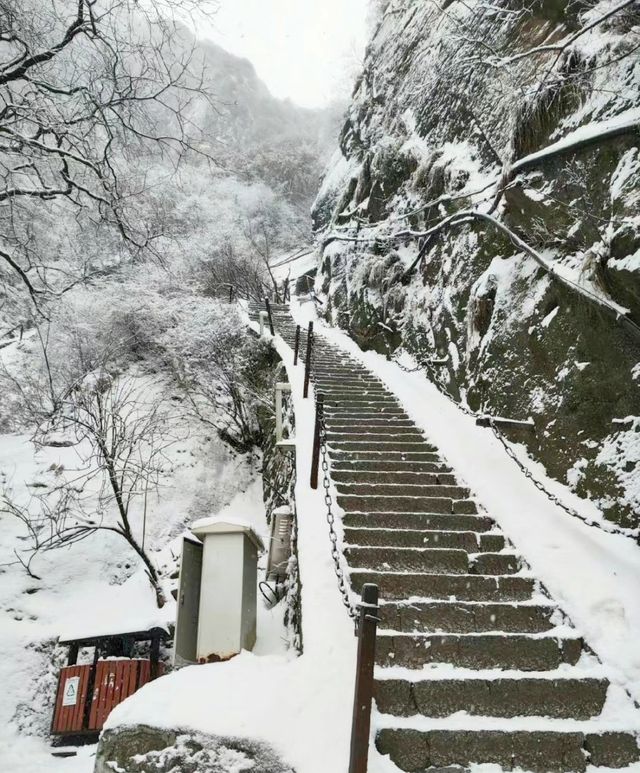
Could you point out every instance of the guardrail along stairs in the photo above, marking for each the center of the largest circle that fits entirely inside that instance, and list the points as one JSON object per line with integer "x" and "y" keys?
{"x": 476, "y": 663}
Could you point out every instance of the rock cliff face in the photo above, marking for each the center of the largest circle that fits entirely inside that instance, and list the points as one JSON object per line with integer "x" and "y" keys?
{"x": 483, "y": 209}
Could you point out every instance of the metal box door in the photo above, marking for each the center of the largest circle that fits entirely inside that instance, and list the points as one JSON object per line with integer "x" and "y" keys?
{"x": 186, "y": 643}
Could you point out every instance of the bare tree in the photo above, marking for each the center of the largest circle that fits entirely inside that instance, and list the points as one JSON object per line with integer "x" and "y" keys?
{"x": 231, "y": 274}
{"x": 121, "y": 433}
{"x": 85, "y": 86}
{"x": 226, "y": 376}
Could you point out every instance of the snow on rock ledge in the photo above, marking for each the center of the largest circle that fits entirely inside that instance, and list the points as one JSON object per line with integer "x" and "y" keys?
{"x": 140, "y": 748}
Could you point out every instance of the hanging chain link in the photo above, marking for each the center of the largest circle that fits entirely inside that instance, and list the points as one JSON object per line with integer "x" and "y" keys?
{"x": 603, "y": 526}
{"x": 336, "y": 553}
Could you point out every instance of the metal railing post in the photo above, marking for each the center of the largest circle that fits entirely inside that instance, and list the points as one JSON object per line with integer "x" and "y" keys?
{"x": 231, "y": 294}
{"x": 307, "y": 367}
{"x": 296, "y": 350}
{"x": 271, "y": 327}
{"x": 363, "y": 698}
{"x": 315, "y": 458}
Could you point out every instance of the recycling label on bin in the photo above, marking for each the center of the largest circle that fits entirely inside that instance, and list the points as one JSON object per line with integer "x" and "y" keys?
{"x": 70, "y": 694}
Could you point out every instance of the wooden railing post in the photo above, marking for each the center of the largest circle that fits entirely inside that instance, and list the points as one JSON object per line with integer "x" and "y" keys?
{"x": 315, "y": 458}
{"x": 363, "y": 697}
{"x": 231, "y": 294}
{"x": 307, "y": 367}
{"x": 296, "y": 350}
{"x": 271, "y": 327}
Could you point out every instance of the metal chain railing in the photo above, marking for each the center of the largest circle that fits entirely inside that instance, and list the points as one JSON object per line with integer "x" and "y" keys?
{"x": 605, "y": 526}
{"x": 336, "y": 554}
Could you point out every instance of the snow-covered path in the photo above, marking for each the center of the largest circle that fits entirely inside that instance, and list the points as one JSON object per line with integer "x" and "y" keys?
{"x": 595, "y": 576}
{"x": 592, "y": 575}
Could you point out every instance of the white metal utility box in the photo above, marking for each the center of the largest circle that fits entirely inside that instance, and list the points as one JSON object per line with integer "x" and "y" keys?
{"x": 217, "y": 598}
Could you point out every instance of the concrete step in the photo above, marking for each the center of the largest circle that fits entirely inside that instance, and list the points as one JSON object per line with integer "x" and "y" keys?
{"x": 346, "y": 383}
{"x": 403, "y": 489}
{"x": 371, "y": 425}
{"x": 495, "y": 563}
{"x": 471, "y": 542}
{"x": 567, "y": 698}
{"x": 390, "y": 422}
{"x": 353, "y": 453}
{"x": 454, "y": 587}
{"x": 422, "y": 521}
{"x": 361, "y": 477}
{"x": 361, "y": 399}
{"x": 379, "y": 435}
{"x": 338, "y": 375}
{"x": 431, "y": 463}
{"x": 483, "y": 650}
{"x": 403, "y": 451}
{"x": 432, "y": 559}
{"x": 436, "y": 561}
{"x": 341, "y": 391}
{"x": 400, "y": 504}
{"x": 539, "y": 751}
{"x": 467, "y": 617}
{"x": 353, "y": 412}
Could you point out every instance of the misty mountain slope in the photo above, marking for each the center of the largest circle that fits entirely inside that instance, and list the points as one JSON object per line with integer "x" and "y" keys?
{"x": 156, "y": 320}
{"x": 488, "y": 151}
{"x": 238, "y": 145}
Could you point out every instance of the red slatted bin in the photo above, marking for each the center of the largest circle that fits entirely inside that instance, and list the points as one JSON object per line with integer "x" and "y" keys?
{"x": 114, "y": 681}
{"x": 71, "y": 698}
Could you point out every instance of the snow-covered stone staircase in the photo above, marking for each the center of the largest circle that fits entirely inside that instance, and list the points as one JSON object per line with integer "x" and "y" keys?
{"x": 476, "y": 663}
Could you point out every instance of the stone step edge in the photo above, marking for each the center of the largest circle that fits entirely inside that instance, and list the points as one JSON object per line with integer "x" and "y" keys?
{"x": 535, "y": 602}
{"x": 389, "y": 572}
{"x": 468, "y": 723}
{"x": 448, "y": 673}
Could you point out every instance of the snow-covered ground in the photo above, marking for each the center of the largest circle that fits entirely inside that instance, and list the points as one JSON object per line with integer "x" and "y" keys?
{"x": 93, "y": 586}
{"x": 302, "y": 706}
{"x": 286, "y": 701}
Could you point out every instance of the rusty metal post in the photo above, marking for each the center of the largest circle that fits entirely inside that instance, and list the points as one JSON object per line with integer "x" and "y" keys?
{"x": 271, "y": 327}
{"x": 296, "y": 350}
{"x": 307, "y": 366}
{"x": 315, "y": 458}
{"x": 363, "y": 697}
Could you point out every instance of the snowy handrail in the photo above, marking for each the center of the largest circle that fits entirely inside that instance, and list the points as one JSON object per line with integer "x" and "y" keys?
{"x": 363, "y": 693}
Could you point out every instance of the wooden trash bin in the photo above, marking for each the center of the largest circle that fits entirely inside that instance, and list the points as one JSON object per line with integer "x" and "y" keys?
{"x": 86, "y": 694}
{"x": 71, "y": 700}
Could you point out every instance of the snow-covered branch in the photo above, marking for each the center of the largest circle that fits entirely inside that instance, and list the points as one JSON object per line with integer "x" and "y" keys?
{"x": 561, "y": 45}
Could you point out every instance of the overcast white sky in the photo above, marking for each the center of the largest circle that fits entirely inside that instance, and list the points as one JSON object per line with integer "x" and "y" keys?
{"x": 302, "y": 49}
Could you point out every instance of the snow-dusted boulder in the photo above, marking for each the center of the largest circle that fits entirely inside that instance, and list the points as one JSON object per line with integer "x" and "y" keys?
{"x": 141, "y": 748}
